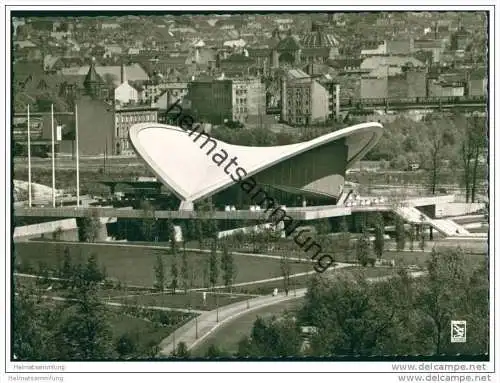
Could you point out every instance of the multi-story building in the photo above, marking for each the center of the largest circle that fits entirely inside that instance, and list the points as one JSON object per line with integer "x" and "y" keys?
{"x": 477, "y": 83}
{"x": 211, "y": 100}
{"x": 173, "y": 92}
{"x": 446, "y": 89}
{"x": 248, "y": 99}
{"x": 304, "y": 101}
{"x": 393, "y": 82}
{"x": 153, "y": 90}
{"x": 125, "y": 117}
{"x": 215, "y": 101}
{"x": 435, "y": 47}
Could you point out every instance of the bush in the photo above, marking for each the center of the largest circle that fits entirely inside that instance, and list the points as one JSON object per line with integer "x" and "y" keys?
{"x": 399, "y": 163}
{"x": 125, "y": 345}
{"x": 384, "y": 165}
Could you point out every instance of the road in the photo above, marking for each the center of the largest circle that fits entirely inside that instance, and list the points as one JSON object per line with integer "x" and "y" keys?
{"x": 197, "y": 330}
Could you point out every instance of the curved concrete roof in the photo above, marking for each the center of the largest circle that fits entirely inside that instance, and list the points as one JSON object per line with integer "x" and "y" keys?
{"x": 191, "y": 174}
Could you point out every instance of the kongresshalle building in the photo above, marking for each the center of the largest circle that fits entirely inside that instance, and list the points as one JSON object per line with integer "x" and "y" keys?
{"x": 194, "y": 166}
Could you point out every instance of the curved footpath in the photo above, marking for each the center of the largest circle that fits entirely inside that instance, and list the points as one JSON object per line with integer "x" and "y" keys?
{"x": 195, "y": 331}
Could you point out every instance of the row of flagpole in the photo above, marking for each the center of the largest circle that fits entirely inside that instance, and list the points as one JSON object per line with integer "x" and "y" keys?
{"x": 53, "y": 158}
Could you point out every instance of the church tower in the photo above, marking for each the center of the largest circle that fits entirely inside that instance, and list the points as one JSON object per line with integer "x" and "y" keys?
{"x": 93, "y": 83}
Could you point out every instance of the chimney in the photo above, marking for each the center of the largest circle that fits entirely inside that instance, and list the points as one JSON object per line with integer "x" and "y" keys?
{"x": 122, "y": 74}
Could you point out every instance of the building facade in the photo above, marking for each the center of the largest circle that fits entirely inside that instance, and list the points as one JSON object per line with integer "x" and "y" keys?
{"x": 248, "y": 99}
{"x": 304, "y": 101}
{"x": 95, "y": 128}
{"x": 211, "y": 101}
{"x": 219, "y": 101}
{"x": 125, "y": 117}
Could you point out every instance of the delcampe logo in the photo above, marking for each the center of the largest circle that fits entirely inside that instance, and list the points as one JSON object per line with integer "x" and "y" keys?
{"x": 458, "y": 331}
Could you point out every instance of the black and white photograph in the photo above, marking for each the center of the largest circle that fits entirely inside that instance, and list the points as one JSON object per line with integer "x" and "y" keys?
{"x": 249, "y": 188}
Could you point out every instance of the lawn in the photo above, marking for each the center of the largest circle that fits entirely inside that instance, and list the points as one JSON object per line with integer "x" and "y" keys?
{"x": 419, "y": 258}
{"x": 226, "y": 337}
{"x": 193, "y": 300}
{"x": 134, "y": 265}
{"x": 303, "y": 281}
{"x": 145, "y": 332}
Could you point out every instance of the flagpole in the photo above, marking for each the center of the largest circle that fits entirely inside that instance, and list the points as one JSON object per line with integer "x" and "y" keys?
{"x": 77, "y": 159}
{"x": 53, "y": 159}
{"x": 29, "y": 159}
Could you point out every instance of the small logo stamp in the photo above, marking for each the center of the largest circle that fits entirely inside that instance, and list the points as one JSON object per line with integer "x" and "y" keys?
{"x": 458, "y": 331}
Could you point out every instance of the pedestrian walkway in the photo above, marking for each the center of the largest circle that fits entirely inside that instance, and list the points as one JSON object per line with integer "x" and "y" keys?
{"x": 195, "y": 331}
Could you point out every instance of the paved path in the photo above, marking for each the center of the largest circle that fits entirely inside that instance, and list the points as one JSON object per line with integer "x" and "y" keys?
{"x": 118, "y": 304}
{"x": 195, "y": 331}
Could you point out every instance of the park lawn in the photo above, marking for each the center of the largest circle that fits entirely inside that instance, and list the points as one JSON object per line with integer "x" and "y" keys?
{"x": 226, "y": 337}
{"x": 134, "y": 265}
{"x": 303, "y": 281}
{"x": 145, "y": 333}
{"x": 193, "y": 300}
{"x": 417, "y": 257}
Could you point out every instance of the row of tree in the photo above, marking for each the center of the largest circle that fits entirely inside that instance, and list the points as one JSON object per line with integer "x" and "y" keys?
{"x": 212, "y": 266}
{"x": 403, "y": 315}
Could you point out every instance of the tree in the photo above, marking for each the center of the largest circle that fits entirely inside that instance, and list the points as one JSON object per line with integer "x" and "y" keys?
{"x": 344, "y": 240}
{"x": 422, "y": 237}
{"x": 273, "y": 338}
{"x": 441, "y": 296}
{"x": 32, "y": 331}
{"x": 185, "y": 269}
{"x": 228, "y": 267}
{"x": 352, "y": 316}
{"x": 213, "y": 266}
{"x": 215, "y": 352}
{"x": 473, "y": 143}
{"x": 411, "y": 236}
{"x": 125, "y": 345}
{"x": 88, "y": 228}
{"x": 92, "y": 274}
{"x": 479, "y": 138}
{"x": 400, "y": 233}
{"x": 149, "y": 224}
{"x": 285, "y": 271}
{"x": 206, "y": 225}
{"x": 378, "y": 244}
{"x": 171, "y": 236}
{"x": 84, "y": 332}
{"x": 323, "y": 226}
{"x": 159, "y": 270}
{"x": 198, "y": 226}
{"x": 182, "y": 350}
{"x": 363, "y": 248}
{"x": 174, "y": 271}
{"x": 67, "y": 268}
{"x": 436, "y": 149}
